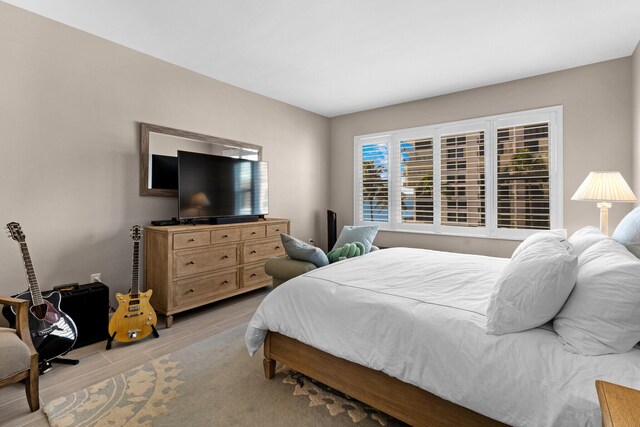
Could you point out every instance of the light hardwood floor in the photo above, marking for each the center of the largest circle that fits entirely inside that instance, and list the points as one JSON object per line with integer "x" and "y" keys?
{"x": 98, "y": 364}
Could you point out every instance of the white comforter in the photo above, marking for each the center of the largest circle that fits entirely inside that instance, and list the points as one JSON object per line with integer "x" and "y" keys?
{"x": 419, "y": 316}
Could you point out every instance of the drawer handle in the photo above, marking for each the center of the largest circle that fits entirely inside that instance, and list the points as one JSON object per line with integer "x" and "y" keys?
{"x": 278, "y": 247}
{"x": 225, "y": 236}
{"x": 277, "y": 229}
{"x": 253, "y": 275}
{"x": 192, "y": 240}
{"x": 192, "y": 290}
{"x": 253, "y": 233}
{"x": 192, "y": 262}
{"x": 254, "y": 252}
{"x": 225, "y": 282}
{"x": 225, "y": 257}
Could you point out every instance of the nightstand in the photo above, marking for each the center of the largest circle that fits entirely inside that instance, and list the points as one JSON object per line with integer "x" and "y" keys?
{"x": 620, "y": 405}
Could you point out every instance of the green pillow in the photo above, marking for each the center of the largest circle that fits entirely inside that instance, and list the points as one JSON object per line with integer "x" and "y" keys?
{"x": 349, "y": 250}
{"x": 297, "y": 249}
{"x": 364, "y": 234}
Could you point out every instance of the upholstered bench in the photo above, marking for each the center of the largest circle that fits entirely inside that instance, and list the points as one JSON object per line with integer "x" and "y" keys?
{"x": 283, "y": 269}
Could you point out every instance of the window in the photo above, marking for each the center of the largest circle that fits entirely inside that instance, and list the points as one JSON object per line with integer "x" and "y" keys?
{"x": 496, "y": 176}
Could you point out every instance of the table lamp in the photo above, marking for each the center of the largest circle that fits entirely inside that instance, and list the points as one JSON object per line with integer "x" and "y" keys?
{"x": 604, "y": 187}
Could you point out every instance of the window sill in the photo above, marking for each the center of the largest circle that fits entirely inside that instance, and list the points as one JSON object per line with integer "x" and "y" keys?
{"x": 475, "y": 236}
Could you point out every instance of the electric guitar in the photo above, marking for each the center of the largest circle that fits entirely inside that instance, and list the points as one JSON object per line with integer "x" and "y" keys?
{"x": 135, "y": 318}
{"x": 53, "y": 333}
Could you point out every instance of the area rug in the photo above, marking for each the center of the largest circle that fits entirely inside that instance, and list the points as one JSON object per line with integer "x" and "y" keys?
{"x": 211, "y": 383}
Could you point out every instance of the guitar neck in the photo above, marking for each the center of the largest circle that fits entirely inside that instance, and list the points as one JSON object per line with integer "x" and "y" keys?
{"x": 36, "y": 295}
{"x": 135, "y": 288}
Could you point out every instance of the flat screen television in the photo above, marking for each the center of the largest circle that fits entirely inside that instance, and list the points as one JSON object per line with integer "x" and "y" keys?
{"x": 221, "y": 188}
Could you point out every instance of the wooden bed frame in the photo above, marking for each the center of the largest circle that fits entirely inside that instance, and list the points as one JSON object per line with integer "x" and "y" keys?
{"x": 401, "y": 400}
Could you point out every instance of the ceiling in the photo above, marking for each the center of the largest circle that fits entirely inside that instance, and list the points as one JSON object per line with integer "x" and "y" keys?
{"x": 334, "y": 57}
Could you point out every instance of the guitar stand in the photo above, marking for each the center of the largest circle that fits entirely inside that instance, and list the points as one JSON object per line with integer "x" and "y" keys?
{"x": 112, "y": 337}
{"x": 45, "y": 367}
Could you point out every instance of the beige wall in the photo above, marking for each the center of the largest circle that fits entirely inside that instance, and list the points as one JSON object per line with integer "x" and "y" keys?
{"x": 635, "y": 91}
{"x": 70, "y": 104}
{"x": 597, "y": 136}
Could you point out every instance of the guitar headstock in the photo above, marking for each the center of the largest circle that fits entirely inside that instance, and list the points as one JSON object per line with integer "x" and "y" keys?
{"x": 15, "y": 232}
{"x": 136, "y": 232}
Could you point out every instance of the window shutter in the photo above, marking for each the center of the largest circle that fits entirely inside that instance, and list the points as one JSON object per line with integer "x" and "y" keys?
{"x": 462, "y": 187}
{"x": 415, "y": 167}
{"x": 523, "y": 176}
{"x": 373, "y": 179}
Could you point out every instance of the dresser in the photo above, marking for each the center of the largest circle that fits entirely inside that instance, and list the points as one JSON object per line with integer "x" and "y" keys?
{"x": 188, "y": 266}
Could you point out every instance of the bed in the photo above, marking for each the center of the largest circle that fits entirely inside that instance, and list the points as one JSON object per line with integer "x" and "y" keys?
{"x": 404, "y": 331}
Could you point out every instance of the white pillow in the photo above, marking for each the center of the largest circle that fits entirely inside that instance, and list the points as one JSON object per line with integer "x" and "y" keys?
{"x": 582, "y": 239}
{"x": 532, "y": 288}
{"x": 628, "y": 232}
{"x": 602, "y": 315}
{"x": 558, "y": 234}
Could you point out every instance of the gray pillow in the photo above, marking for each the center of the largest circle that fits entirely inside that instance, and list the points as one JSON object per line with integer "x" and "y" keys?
{"x": 628, "y": 232}
{"x": 364, "y": 234}
{"x": 297, "y": 249}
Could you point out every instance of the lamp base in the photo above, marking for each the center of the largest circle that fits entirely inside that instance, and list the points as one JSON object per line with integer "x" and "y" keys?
{"x": 604, "y": 217}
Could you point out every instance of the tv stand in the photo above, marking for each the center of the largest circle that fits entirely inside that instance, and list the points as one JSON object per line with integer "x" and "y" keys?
{"x": 188, "y": 266}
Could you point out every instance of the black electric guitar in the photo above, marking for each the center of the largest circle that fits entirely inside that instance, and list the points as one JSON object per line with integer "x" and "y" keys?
{"x": 135, "y": 318}
{"x": 53, "y": 332}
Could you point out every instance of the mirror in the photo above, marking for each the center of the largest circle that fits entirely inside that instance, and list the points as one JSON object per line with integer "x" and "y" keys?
{"x": 159, "y": 147}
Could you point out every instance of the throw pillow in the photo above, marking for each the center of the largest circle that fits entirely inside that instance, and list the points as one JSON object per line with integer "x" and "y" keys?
{"x": 584, "y": 238}
{"x": 364, "y": 234}
{"x": 297, "y": 249}
{"x": 601, "y": 315}
{"x": 628, "y": 232}
{"x": 558, "y": 234}
{"x": 532, "y": 288}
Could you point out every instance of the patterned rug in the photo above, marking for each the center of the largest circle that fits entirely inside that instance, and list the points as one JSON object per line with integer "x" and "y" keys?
{"x": 212, "y": 382}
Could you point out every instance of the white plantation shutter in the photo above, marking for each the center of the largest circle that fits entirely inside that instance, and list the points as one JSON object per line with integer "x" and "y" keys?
{"x": 497, "y": 176}
{"x": 414, "y": 169}
{"x": 523, "y": 198}
{"x": 462, "y": 182}
{"x": 373, "y": 181}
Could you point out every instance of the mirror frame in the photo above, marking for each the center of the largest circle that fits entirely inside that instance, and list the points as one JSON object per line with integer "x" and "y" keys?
{"x": 147, "y": 128}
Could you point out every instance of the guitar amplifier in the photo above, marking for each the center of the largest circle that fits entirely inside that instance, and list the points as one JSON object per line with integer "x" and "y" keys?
{"x": 88, "y": 306}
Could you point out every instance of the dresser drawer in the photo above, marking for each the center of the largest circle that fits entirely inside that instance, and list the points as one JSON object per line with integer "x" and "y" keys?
{"x": 254, "y": 232}
{"x": 254, "y": 274}
{"x": 192, "y": 239}
{"x": 261, "y": 250}
{"x": 275, "y": 230}
{"x": 225, "y": 235}
{"x": 190, "y": 290}
{"x": 202, "y": 261}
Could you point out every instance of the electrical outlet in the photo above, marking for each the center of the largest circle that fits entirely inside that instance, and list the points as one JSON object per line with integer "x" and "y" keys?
{"x": 96, "y": 277}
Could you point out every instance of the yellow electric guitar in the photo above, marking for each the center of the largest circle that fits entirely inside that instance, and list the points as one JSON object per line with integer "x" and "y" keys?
{"x": 135, "y": 318}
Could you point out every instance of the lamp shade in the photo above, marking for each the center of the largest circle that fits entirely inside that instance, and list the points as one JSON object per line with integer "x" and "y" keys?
{"x": 608, "y": 186}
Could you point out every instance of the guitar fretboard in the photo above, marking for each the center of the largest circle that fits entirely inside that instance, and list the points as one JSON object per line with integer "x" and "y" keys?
{"x": 134, "y": 275}
{"x": 36, "y": 295}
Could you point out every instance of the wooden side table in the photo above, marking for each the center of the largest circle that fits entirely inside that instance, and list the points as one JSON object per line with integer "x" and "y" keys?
{"x": 620, "y": 405}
